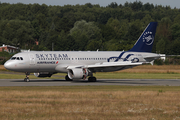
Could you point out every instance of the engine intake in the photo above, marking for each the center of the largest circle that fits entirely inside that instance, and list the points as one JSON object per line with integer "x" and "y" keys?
{"x": 77, "y": 73}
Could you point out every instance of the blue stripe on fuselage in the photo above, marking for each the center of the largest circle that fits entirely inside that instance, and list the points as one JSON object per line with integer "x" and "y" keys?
{"x": 120, "y": 57}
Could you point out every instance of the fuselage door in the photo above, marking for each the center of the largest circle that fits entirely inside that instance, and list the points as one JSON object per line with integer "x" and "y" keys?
{"x": 32, "y": 59}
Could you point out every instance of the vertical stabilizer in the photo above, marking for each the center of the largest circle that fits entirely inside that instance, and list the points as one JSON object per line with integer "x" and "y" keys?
{"x": 145, "y": 41}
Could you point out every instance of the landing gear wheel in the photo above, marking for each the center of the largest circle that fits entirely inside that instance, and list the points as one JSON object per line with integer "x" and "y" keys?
{"x": 92, "y": 79}
{"x": 26, "y": 80}
{"x": 67, "y": 78}
{"x": 27, "y": 77}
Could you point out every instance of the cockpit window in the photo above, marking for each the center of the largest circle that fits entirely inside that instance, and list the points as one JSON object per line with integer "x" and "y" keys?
{"x": 16, "y": 58}
{"x": 13, "y": 58}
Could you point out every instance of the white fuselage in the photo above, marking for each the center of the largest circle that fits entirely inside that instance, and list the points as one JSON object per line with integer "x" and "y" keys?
{"x": 58, "y": 61}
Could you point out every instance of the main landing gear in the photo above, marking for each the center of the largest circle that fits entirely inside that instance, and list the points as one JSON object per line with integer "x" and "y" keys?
{"x": 90, "y": 79}
{"x": 27, "y": 77}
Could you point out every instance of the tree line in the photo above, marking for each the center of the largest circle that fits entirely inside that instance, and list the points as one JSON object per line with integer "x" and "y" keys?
{"x": 88, "y": 27}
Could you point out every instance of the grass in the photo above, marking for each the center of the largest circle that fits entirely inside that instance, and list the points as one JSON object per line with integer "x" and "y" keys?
{"x": 137, "y": 76}
{"x": 2, "y": 68}
{"x": 90, "y": 103}
{"x": 170, "y": 69}
{"x": 95, "y": 102}
{"x": 111, "y": 75}
{"x": 22, "y": 76}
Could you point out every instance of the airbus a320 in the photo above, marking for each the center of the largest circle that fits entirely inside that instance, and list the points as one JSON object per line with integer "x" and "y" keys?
{"x": 80, "y": 65}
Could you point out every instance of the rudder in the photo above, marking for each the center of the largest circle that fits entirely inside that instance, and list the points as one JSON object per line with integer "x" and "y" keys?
{"x": 145, "y": 41}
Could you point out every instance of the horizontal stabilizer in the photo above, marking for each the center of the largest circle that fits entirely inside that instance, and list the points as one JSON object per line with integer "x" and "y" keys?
{"x": 151, "y": 58}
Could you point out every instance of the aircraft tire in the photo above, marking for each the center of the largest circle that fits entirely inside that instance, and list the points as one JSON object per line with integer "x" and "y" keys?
{"x": 67, "y": 78}
{"x": 26, "y": 80}
{"x": 92, "y": 79}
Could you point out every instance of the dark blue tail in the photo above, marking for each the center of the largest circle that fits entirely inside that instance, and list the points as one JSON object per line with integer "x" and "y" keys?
{"x": 145, "y": 41}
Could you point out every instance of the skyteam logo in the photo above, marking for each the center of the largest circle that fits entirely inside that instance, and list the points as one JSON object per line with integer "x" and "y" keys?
{"x": 125, "y": 58}
{"x": 148, "y": 38}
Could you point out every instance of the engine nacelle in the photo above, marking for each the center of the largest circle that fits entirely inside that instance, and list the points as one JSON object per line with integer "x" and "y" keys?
{"x": 78, "y": 73}
{"x": 43, "y": 74}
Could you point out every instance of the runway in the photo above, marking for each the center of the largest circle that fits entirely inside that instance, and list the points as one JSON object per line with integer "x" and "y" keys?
{"x": 120, "y": 82}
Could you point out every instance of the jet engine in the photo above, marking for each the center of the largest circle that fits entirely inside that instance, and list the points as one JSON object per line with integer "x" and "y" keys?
{"x": 78, "y": 73}
{"x": 43, "y": 74}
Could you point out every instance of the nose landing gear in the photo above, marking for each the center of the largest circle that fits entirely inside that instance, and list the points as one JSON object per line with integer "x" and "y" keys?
{"x": 27, "y": 77}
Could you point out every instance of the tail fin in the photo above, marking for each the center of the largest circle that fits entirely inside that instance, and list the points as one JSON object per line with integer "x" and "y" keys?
{"x": 145, "y": 41}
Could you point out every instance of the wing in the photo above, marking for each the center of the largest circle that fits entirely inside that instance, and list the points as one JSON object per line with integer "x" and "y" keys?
{"x": 108, "y": 66}
{"x": 112, "y": 66}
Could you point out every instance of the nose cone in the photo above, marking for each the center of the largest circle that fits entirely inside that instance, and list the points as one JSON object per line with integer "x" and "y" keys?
{"x": 8, "y": 65}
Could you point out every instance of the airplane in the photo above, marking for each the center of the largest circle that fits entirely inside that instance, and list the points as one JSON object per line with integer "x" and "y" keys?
{"x": 82, "y": 64}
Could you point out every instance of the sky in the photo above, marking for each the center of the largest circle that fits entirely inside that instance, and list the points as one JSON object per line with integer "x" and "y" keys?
{"x": 171, "y": 3}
